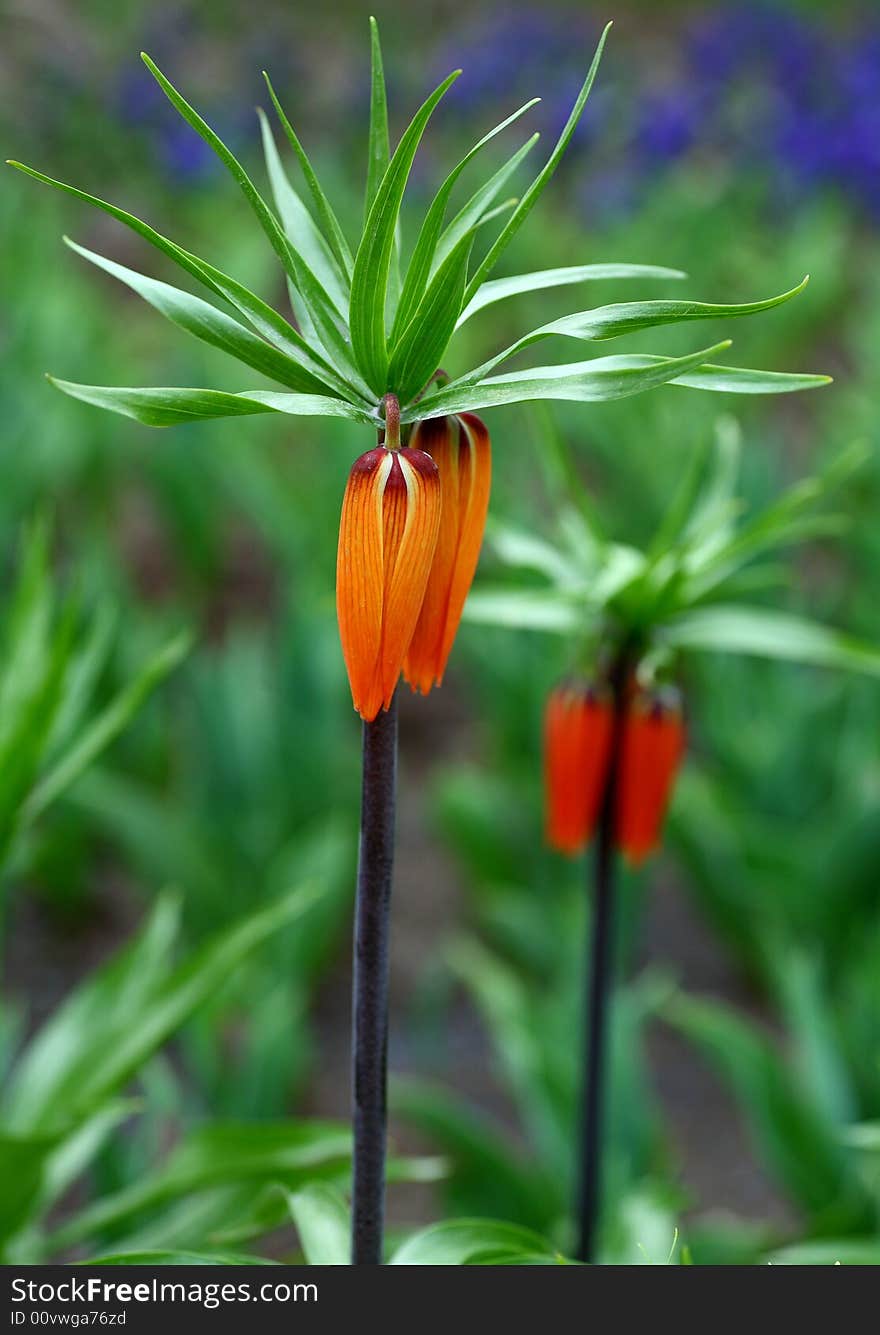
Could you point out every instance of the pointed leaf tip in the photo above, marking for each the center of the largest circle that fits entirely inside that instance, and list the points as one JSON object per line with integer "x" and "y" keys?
{"x": 534, "y": 191}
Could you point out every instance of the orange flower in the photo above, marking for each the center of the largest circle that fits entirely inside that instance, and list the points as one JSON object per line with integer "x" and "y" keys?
{"x": 652, "y": 746}
{"x": 387, "y": 536}
{"x": 460, "y": 448}
{"x": 578, "y": 732}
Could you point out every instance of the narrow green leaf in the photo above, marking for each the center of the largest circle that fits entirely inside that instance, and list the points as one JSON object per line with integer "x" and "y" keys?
{"x": 836, "y": 1251}
{"x": 514, "y": 387}
{"x": 34, "y": 683}
{"x": 504, "y": 207}
{"x": 261, "y": 210}
{"x": 715, "y": 504}
{"x": 530, "y": 198}
{"x": 219, "y": 1154}
{"x": 417, "y": 355}
{"x": 523, "y": 609}
{"x": 629, "y": 317}
{"x": 477, "y": 210}
{"x": 320, "y": 306}
{"x": 82, "y": 675}
{"x": 77, "y": 1152}
{"x": 482, "y": 1154}
{"x": 168, "y": 406}
{"x": 330, "y": 223}
{"x": 379, "y": 151}
{"x": 681, "y": 505}
{"x": 162, "y": 407}
{"x": 379, "y": 148}
{"x": 787, "y": 520}
{"x": 770, "y": 634}
{"x": 187, "y": 988}
{"x": 23, "y": 1164}
{"x": 593, "y": 381}
{"x": 863, "y": 1137}
{"x": 156, "y": 1256}
{"x": 57, "y": 1059}
{"x": 107, "y": 726}
{"x": 210, "y": 325}
{"x": 472, "y": 1242}
{"x": 311, "y": 405}
{"x": 322, "y": 1222}
{"x": 278, "y": 331}
{"x": 302, "y": 231}
{"x": 524, "y": 550}
{"x": 261, "y": 316}
{"x": 789, "y": 1129}
{"x": 499, "y": 289}
{"x": 807, "y": 1015}
{"x": 418, "y": 273}
{"x": 369, "y": 284}
{"x": 742, "y": 380}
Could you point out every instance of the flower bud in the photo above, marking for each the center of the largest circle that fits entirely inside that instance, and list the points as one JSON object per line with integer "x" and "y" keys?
{"x": 461, "y": 450}
{"x": 578, "y": 734}
{"x": 651, "y": 748}
{"x": 387, "y": 536}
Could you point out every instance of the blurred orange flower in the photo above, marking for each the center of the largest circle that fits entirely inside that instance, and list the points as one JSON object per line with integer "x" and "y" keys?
{"x": 578, "y": 733}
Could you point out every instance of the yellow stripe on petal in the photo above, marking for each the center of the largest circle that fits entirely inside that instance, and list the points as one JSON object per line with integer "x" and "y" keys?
{"x": 360, "y": 577}
{"x": 409, "y": 564}
{"x": 438, "y": 436}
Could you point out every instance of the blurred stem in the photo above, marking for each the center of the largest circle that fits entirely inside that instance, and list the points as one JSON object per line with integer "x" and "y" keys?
{"x": 370, "y": 1001}
{"x": 602, "y": 877}
{"x": 561, "y": 470}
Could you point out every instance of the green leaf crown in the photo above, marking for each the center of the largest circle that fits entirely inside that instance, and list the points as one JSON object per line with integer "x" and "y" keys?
{"x": 360, "y": 328}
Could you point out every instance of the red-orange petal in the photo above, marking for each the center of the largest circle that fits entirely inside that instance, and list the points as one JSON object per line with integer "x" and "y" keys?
{"x": 387, "y": 533}
{"x": 461, "y": 449}
{"x": 652, "y": 746}
{"x": 578, "y": 732}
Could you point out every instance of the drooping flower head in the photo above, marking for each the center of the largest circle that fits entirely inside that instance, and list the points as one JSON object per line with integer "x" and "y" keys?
{"x": 652, "y": 743}
{"x": 387, "y": 534}
{"x": 409, "y": 540}
{"x": 460, "y": 448}
{"x": 578, "y": 731}
{"x": 640, "y": 616}
{"x": 586, "y": 746}
{"x": 387, "y": 537}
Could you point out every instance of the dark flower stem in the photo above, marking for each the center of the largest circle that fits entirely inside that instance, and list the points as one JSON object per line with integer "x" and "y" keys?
{"x": 370, "y": 1000}
{"x": 369, "y": 1027}
{"x": 602, "y": 880}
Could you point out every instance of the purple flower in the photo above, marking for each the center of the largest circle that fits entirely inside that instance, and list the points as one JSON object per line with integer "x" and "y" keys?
{"x": 184, "y": 155}
{"x": 668, "y": 124}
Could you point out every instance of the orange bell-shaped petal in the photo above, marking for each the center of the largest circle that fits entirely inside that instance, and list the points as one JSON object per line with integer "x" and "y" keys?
{"x": 651, "y": 749}
{"x": 387, "y": 536}
{"x": 461, "y": 450}
{"x": 578, "y": 734}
